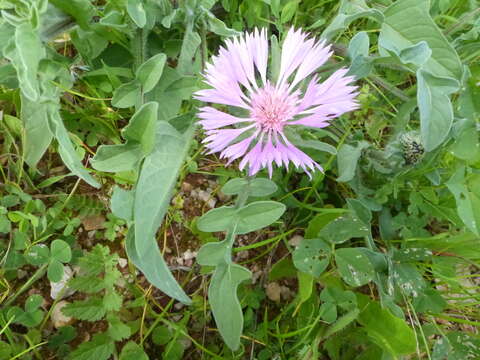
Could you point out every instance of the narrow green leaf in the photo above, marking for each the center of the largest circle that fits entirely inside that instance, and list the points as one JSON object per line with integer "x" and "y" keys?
{"x": 66, "y": 150}
{"x": 190, "y": 44}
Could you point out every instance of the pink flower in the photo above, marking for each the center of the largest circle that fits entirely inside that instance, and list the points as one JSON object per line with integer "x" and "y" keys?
{"x": 238, "y": 77}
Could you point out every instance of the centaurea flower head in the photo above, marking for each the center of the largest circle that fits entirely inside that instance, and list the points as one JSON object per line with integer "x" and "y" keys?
{"x": 238, "y": 78}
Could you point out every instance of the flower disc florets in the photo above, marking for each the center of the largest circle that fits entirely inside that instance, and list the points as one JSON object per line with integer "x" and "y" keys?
{"x": 238, "y": 78}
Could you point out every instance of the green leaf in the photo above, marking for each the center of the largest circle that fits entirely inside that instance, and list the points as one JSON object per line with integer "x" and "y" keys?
{"x": 116, "y": 158}
{"x": 256, "y": 187}
{"x": 219, "y": 219}
{"x": 226, "y": 309}
{"x": 318, "y": 222}
{"x": 126, "y": 95}
{"x": 388, "y": 331}
{"x": 55, "y": 270}
{"x": 151, "y": 71}
{"x": 312, "y": 256}
{"x": 153, "y": 192}
{"x": 60, "y": 250}
{"x": 33, "y": 303}
{"x": 66, "y": 150}
{"x": 141, "y": 128}
{"x": 305, "y": 286}
{"x": 218, "y": 26}
{"x": 117, "y": 330}
{"x": 191, "y": 42}
{"x": 101, "y": 347}
{"x": 436, "y": 111}
{"x": 467, "y": 202}
{"x": 25, "y": 52}
{"x": 341, "y": 323}
{"x": 354, "y": 266}
{"x": 37, "y": 133}
{"x": 344, "y": 228}
{"x": 81, "y": 10}
{"x": 90, "y": 309}
{"x": 137, "y": 13}
{"x": 121, "y": 203}
{"x": 347, "y": 159}
{"x": 408, "y": 23}
{"x": 258, "y": 215}
{"x": 359, "y": 45}
{"x": 350, "y": 10}
{"x": 38, "y": 255}
{"x": 132, "y": 351}
{"x": 288, "y": 11}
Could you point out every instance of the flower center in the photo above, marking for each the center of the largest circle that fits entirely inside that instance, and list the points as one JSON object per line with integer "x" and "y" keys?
{"x": 272, "y": 108}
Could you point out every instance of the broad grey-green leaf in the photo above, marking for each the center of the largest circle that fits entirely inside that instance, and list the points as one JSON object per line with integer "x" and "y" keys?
{"x": 354, "y": 266}
{"x": 66, "y": 149}
{"x": 150, "y": 71}
{"x": 136, "y": 10}
{"x": 25, "y": 52}
{"x": 153, "y": 192}
{"x": 115, "y": 158}
{"x": 121, "y": 203}
{"x": 347, "y": 159}
{"x": 408, "y": 23}
{"x": 214, "y": 253}
{"x": 258, "y": 215}
{"x": 359, "y": 45}
{"x": 190, "y": 44}
{"x": 219, "y": 219}
{"x": 126, "y": 95}
{"x": 436, "y": 111}
{"x": 417, "y": 54}
{"x": 141, "y": 128}
{"x": 350, "y": 10}
{"x": 226, "y": 309}
{"x": 81, "y": 10}
{"x": 256, "y": 187}
{"x": 37, "y": 133}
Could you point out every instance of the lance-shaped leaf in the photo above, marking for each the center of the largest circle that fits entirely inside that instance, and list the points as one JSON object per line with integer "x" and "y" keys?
{"x": 350, "y": 10}
{"x": 37, "y": 133}
{"x": 66, "y": 149}
{"x": 153, "y": 192}
{"x": 25, "y": 51}
{"x": 226, "y": 308}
